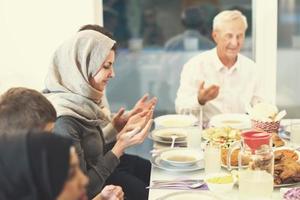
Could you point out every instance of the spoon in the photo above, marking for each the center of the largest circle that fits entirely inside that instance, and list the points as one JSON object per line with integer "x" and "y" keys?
{"x": 174, "y": 137}
{"x": 196, "y": 185}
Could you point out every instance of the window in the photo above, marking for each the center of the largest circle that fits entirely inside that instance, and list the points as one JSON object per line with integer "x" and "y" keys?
{"x": 156, "y": 38}
{"x": 288, "y": 62}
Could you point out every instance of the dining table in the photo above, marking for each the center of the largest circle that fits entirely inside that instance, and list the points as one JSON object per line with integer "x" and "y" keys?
{"x": 166, "y": 194}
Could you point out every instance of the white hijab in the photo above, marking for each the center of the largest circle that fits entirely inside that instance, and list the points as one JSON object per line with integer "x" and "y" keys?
{"x": 73, "y": 63}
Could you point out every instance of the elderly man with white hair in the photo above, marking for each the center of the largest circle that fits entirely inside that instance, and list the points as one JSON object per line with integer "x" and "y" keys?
{"x": 221, "y": 80}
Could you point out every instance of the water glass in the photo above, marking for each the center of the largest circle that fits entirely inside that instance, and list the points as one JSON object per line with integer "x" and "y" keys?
{"x": 194, "y": 132}
{"x": 295, "y": 134}
{"x": 212, "y": 158}
{"x": 194, "y": 137}
{"x": 255, "y": 184}
{"x": 196, "y": 112}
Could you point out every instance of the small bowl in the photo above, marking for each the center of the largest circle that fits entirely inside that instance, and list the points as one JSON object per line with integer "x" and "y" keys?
{"x": 169, "y": 121}
{"x": 220, "y": 182}
{"x": 181, "y": 157}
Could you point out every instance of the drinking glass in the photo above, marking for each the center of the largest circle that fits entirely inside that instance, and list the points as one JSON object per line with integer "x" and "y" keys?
{"x": 194, "y": 132}
{"x": 295, "y": 134}
{"x": 212, "y": 158}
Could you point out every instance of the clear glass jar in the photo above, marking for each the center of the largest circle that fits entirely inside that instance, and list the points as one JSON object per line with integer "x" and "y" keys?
{"x": 256, "y": 165}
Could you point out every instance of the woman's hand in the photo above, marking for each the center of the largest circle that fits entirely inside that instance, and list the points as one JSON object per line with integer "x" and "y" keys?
{"x": 121, "y": 118}
{"x": 127, "y": 139}
{"x": 138, "y": 120}
{"x": 143, "y": 104}
{"x": 110, "y": 192}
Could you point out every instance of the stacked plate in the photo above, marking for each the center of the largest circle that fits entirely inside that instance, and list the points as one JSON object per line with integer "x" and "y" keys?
{"x": 178, "y": 159}
{"x": 168, "y": 127}
{"x": 233, "y": 120}
{"x": 171, "y": 121}
{"x": 164, "y": 135}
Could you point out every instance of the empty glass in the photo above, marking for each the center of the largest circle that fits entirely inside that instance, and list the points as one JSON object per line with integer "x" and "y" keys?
{"x": 194, "y": 132}
{"x": 212, "y": 158}
{"x": 295, "y": 134}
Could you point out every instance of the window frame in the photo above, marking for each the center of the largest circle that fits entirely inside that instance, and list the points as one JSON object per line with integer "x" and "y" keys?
{"x": 265, "y": 43}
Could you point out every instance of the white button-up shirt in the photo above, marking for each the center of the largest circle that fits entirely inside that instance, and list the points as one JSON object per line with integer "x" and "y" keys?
{"x": 239, "y": 85}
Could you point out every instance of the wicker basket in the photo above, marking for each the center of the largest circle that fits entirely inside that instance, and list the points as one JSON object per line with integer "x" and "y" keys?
{"x": 270, "y": 127}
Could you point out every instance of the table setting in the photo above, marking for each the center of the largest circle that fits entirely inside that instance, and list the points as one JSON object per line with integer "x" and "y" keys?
{"x": 177, "y": 171}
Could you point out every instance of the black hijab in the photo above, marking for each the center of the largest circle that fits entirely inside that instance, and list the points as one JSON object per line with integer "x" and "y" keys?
{"x": 33, "y": 166}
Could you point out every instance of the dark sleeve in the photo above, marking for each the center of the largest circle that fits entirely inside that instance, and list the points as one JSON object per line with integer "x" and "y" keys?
{"x": 100, "y": 169}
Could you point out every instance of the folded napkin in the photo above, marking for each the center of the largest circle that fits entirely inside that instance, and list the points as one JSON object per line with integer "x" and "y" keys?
{"x": 290, "y": 193}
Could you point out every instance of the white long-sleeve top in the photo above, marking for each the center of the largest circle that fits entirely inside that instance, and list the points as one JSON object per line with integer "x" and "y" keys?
{"x": 239, "y": 85}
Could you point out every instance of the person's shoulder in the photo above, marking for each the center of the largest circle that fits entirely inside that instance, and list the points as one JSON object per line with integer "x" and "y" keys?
{"x": 248, "y": 65}
{"x": 175, "y": 43}
{"x": 246, "y": 60}
{"x": 66, "y": 119}
{"x": 69, "y": 122}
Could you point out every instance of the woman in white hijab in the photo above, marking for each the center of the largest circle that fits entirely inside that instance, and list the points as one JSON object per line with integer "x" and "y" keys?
{"x": 78, "y": 75}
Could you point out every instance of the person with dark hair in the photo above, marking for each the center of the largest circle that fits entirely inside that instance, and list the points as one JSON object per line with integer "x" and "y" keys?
{"x": 24, "y": 109}
{"x": 77, "y": 78}
{"x": 151, "y": 31}
{"x": 39, "y": 165}
{"x": 115, "y": 20}
{"x": 99, "y": 29}
{"x": 192, "y": 19}
{"x": 112, "y": 126}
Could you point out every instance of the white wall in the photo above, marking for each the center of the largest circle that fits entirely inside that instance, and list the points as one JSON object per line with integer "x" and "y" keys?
{"x": 30, "y": 32}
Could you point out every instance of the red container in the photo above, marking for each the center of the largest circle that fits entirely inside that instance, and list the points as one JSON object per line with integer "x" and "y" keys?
{"x": 254, "y": 139}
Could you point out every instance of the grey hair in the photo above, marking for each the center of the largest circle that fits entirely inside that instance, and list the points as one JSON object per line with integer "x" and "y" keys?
{"x": 228, "y": 15}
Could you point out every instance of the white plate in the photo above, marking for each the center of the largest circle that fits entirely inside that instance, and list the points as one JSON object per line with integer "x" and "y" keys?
{"x": 156, "y": 139}
{"x": 189, "y": 195}
{"x": 159, "y": 163}
{"x": 164, "y": 135}
{"x": 233, "y": 120}
{"x": 169, "y": 121}
{"x": 181, "y": 157}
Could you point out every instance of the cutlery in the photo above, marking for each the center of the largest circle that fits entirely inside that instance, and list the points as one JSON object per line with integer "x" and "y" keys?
{"x": 177, "y": 181}
{"x": 174, "y": 137}
{"x": 177, "y": 186}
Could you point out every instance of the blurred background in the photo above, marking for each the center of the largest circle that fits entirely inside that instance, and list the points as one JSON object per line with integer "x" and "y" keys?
{"x": 156, "y": 37}
{"x": 150, "y": 32}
